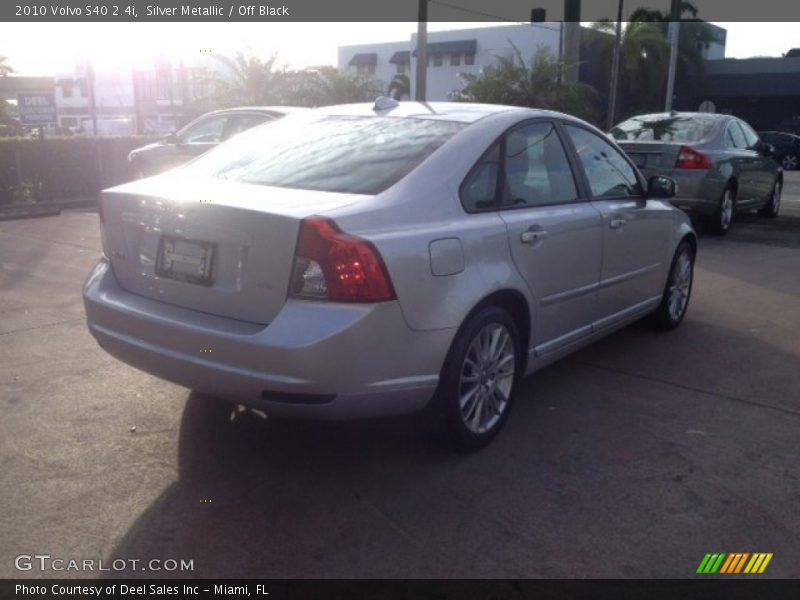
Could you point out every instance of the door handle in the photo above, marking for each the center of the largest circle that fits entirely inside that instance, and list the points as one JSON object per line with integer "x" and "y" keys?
{"x": 616, "y": 223}
{"x": 531, "y": 237}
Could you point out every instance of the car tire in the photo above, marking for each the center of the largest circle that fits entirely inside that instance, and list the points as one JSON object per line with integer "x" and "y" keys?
{"x": 773, "y": 205}
{"x": 722, "y": 219}
{"x": 678, "y": 289}
{"x": 479, "y": 379}
{"x": 790, "y": 162}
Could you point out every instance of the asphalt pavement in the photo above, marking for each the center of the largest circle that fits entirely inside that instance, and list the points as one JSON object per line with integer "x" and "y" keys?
{"x": 633, "y": 458}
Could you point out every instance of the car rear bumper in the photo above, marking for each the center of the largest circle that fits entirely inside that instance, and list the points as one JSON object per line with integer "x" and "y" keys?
{"x": 699, "y": 192}
{"x": 315, "y": 360}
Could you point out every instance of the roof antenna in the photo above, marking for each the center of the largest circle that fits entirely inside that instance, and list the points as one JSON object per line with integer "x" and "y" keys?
{"x": 384, "y": 103}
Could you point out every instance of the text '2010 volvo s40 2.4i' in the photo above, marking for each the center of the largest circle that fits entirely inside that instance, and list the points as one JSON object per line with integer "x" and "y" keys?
{"x": 363, "y": 260}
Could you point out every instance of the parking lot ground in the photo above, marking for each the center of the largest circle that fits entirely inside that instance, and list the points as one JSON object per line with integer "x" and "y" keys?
{"x": 632, "y": 458}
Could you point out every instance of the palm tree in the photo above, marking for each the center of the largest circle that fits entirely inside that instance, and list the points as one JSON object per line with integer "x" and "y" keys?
{"x": 511, "y": 80}
{"x": 248, "y": 79}
{"x": 5, "y": 68}
{"x": 644, "y": 56}
{"x": 323, "y": 86}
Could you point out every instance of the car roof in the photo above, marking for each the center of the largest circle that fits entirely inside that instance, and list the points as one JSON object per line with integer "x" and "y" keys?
{"x": 463, "y": 112}
{"x": 668, "y": 115}
{"x": 283, "y": 110}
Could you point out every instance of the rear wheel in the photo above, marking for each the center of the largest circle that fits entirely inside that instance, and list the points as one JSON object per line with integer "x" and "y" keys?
{"x": 480, "y": 377}
{"x": 720, "y": 222}
{"x": 678, "y": 290}
{"x": 789, "y": 162}
{"x": 773, "y": 205}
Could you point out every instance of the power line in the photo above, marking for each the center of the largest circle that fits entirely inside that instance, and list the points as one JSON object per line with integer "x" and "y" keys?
{"x": 477, "y": 12}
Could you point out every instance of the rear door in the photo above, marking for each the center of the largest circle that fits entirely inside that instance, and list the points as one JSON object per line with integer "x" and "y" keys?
{"x": 554, "y": 233}
{"x": 766, "y": 173}
{"x": 635, "y": 231}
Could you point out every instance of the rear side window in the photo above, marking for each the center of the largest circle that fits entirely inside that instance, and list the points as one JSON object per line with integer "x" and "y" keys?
{"x": 609, "y": 174}
{"x": 536, "y": 168}
{"x": 750, "y": 136}
{"x": 479, "y": 190}
{"x": 664, "y": 128}
{"x": 355, "y": 155}
{"x": 735, "y": 136}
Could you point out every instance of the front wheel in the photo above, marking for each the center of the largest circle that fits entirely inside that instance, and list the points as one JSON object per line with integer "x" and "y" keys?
{"x": 678, "y": 290}
{"x": 773, "y": 205}
{"x": 480, "y": 378}
{"x": 789, "y": 162}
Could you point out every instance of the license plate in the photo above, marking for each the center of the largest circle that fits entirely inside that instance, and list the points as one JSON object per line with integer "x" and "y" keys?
{"x": 640, "y": 160}
{"x": 191, "y": 261}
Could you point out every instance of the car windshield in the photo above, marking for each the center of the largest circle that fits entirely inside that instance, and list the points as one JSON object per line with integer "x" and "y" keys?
{"x": 664, "y": 128}
{"x": 357, "y": 155}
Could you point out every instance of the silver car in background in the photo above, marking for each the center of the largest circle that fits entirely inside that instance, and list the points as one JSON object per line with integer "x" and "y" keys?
{"x": 361, "y": 260}
{"x": 718, "y": 161}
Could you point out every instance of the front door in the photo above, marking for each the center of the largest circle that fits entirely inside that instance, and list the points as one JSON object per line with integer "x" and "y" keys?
{"x": 635, "y": 230}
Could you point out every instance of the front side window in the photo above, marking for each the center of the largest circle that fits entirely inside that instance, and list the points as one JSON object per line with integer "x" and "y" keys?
{"x": 207, "y": 131}
{"x": 536, "y": 169}
{"x": 609, "y": 174}
{"x": 355, "y": 155}
{"x": 239, "y": 123}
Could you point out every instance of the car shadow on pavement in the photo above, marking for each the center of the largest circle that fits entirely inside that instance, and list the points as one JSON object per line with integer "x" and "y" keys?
{"x": 600, "y": 447}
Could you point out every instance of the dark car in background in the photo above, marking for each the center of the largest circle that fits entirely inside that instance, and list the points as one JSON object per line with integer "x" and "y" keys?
{"x": 201, "y": 135}
{"x": 787, "y": 147}
{"x": 720, "y": 164}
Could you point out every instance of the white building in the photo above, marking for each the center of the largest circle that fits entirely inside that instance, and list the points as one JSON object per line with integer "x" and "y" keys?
{"x": 449, "y": 54}
{"x": 147, "y": 100}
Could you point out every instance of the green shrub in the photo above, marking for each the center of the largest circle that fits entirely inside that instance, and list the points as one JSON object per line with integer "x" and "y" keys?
{"x": 64, "y": 167}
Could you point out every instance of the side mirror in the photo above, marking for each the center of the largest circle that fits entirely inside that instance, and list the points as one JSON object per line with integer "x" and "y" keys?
{"x": 171, "y": 139}
{"x": 659, "y": 186}
{"x": 767, "y": 149}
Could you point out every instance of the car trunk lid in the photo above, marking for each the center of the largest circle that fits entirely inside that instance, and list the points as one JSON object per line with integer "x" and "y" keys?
{"x": 652, "y": 157}
{"x": 216, "y": 246}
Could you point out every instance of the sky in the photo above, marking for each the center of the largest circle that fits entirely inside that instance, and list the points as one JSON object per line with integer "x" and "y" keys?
{"x": 52, "y": 48}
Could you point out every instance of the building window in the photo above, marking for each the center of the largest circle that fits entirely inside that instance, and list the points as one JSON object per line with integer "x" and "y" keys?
{"x": 368, "y": 69}
{"x": 402, "y": 68}
{"x": 455, "y": 60}
{"x": 437, "y": 60}
{"x": 469, "y": 59}
{"x": 66, "y": 90}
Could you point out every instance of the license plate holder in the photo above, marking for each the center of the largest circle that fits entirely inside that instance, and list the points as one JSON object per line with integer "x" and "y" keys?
{"x": 191, "y": 261}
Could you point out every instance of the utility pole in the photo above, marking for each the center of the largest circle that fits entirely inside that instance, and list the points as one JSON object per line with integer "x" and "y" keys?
{"x": 92, "y": 100}
{"x": 674, "y": 39}
{"x": 612, "y": 95}
{"x": 572, "y": 40}
{"x": 420, "y": 86}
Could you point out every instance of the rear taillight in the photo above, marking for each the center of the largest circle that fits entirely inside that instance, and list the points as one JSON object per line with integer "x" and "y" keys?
{"x": 332, "y": 265}
{"x": 689, "y": 158}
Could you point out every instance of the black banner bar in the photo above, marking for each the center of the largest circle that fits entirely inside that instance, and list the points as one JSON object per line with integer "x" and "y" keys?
{"x": 132, "y": 589}
{"x": 515, "y": 11}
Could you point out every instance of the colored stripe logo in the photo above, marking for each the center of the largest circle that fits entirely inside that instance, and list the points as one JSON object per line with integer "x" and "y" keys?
{"x": 734, "y": 563}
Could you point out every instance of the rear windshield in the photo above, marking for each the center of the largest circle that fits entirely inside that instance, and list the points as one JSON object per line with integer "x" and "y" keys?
{"x": 664, "y": 128}
{"x": 357, "y": 155}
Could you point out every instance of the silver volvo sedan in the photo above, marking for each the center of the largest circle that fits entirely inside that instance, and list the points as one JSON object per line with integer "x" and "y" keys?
{"x": 361, "y": 260}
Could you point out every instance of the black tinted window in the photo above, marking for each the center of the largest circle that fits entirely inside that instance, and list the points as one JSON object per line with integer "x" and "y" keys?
{"x": 357, "y": 155}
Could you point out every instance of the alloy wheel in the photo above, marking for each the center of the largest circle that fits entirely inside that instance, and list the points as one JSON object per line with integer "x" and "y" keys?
{"x": 486, "y": 379}
{"x": 789, "y": 162}
{"x": 726, "y": 211}
{"x": 680, "y": 286}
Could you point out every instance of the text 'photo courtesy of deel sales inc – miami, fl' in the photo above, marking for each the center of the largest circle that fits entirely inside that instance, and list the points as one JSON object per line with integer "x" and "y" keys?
{"x": 152, "y": 590}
